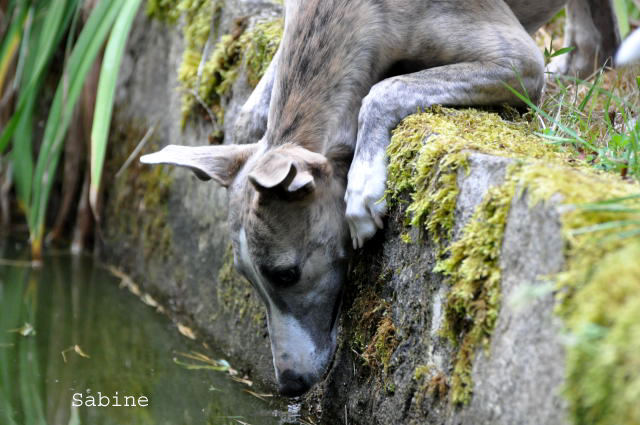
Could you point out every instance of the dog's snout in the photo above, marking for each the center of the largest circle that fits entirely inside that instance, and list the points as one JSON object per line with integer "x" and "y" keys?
{"x": 291, "y": 384}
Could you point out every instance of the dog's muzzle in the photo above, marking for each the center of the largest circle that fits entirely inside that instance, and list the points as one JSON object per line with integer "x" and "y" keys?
{"x": 291, "y": 384}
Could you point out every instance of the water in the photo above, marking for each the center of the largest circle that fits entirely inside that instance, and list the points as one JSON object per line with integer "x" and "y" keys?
{"x": 131, "y": 349}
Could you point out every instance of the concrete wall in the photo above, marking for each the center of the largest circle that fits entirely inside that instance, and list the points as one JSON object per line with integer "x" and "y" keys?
{"x": 168, "y": 230}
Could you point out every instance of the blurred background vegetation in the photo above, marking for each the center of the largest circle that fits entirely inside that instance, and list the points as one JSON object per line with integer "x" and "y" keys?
{"x": 75, "y": 46}
{"x": 59, "y": 62}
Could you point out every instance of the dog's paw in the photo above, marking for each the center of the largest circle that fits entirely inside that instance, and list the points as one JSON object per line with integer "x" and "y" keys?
{"x": 558, "y": 66}
{"x": 365, "y": 199}
{"x": 580, "y": 62}
{"x": 577, "y": 65}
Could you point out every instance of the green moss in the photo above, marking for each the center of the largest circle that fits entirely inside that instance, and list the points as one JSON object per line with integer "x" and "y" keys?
{"x": 139, "y": 197}
{"x": 164, "y": 10}
{"x": 603, "y": 376}
{"x": 421, "y": 372}
{"x": 235, "y": 294}
{"x": 261, "y": 45}
{"x": 598, "y": 294}
{"x": 430, "y": 382}
{"x": 378, "y": 351}
{"x": 473, "y": 269}
{"x": 212, "y": 79}
{"x": 428, "y": 149}
{"x": 372, "y": 334}
{"x": 204, "y": 81}
{"x": 426, "y": 154}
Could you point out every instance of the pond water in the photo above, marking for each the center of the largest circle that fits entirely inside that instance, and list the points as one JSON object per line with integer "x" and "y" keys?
{"x": 68, "y": 328}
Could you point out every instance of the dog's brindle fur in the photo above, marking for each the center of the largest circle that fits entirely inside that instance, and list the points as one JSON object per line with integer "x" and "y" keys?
{"x": 346, "y": 73}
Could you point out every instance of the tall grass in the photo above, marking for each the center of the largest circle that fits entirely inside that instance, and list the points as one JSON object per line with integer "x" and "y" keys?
{"x": 36, "y": 32}
{"x": 628, "y": 11}
{"x": 598, "y": 120}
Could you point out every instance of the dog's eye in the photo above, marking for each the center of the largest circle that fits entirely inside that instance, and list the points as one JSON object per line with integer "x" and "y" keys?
{"x": 283, "y": 277}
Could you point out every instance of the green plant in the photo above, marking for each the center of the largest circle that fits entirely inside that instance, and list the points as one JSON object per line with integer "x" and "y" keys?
{"x": 39, "y": 28}
{"x": 106, "y": 89}
{"x": 627, "y": 10}
{"x": 592, "y": 119}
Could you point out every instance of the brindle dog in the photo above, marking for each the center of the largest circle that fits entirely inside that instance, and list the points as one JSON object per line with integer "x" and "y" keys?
{"x": 346, "y": 72}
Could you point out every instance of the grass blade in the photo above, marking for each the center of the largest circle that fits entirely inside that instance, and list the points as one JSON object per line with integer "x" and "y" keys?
{"x": 606, "y": 226}
{"x": 22, "y": 155}
{"x": 106, "y": 90}
{"x": 622, "y": 13}
{"x": 39, "y": 52}
{"x": 539, "y": 111}
{"x": 84, "y": 53}
{"x": 612, "y": 200}
{"x": 11, "y": 43}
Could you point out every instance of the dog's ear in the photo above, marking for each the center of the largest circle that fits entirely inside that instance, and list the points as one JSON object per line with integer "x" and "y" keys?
{"x": 220, "y": 163}
{"x": 289, "y": 172}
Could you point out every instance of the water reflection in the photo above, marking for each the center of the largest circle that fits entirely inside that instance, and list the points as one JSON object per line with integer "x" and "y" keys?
{"x": 76, "y": 308}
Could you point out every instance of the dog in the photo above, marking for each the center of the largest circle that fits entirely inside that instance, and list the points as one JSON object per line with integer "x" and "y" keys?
{"x": 629, "y": 52}
{"x": 347, "y": 71}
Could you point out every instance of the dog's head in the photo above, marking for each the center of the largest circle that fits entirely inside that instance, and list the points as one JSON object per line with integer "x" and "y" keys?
{"x": 290, "y": 240}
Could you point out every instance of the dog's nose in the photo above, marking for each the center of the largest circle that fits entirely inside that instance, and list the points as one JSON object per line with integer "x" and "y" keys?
{"x": 291, "y": 384}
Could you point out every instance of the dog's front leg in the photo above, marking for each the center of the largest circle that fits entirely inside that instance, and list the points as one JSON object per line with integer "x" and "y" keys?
{"x": 591, "y": 29}
{"x": 478, "y": 83}
{"x": 251, "y": 121}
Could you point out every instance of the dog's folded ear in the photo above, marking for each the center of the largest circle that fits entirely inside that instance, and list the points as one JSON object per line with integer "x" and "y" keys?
{"x": 289, "y": 172}
{"x": 220, "y": 163}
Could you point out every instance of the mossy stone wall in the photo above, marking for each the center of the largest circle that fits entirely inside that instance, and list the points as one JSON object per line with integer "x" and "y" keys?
{"x": 457, "y": 313}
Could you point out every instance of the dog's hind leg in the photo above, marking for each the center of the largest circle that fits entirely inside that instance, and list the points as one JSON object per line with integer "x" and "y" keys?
{"x": 251, "y": 122}
{"x": 487, "y": 60}
{"x": 591, "y": 29}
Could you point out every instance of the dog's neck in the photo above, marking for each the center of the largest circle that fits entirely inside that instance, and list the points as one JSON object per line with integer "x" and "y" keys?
{"x": 328, "y": 64}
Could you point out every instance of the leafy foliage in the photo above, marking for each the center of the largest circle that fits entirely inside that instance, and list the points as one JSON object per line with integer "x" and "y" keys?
{"x": 39, "y": 29}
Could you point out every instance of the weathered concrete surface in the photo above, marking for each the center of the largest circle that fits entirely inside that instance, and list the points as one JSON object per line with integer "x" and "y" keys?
{"x": 517, "y": 382}
{"x": 174, "y": 246}
{"x": 192, "y": 215}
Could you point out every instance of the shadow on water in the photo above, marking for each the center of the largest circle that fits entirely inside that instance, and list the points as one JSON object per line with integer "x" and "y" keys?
{"x": 69, "y": 301}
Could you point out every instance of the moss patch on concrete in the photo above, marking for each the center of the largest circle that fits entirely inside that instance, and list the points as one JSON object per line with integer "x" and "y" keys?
{"x": 431, "y": 381}
{"x": 474, "y": 273}
{"x": 235, "y": 294}
{"x": 429, "y": 148}
{"x": 140, "y": 194}
{"x": 598, "y": 292}
{"x": 372, "y": 334}
{"x": 603, "y": 376}
{"x": 261, "y": 43}
{"x": 426, "y": 153}
{"x": 209, "y": 80}
{"x": 207, "y": 76}
{"x": 166, "y": 11}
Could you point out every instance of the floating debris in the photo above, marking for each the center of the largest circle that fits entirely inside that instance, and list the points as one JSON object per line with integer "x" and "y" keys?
{"x": 16, "y": 263}
{"x": 149, "y": 300}
{"x": 186, "y": 331}
{"x": 207, "y": 363}
{"x": 76, "y": 348}
{"x": 243, "y": 380}
{"x": 25, "y": 330}
{"x": 261, "y": 396}
{"x": 211, "y": 364}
